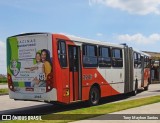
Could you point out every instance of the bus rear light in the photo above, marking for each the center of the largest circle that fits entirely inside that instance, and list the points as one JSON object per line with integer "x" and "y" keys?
{"x": 10, "y": 82}
{"x": 49, "y": 83}
{"x": 10, "y": 86}
{"x": 49, "y": 87}
{"x": 9, "y": 78}
{"x": 49, "y": 77}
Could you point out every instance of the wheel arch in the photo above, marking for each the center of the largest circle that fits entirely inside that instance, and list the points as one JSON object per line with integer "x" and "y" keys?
{"x": 97, "y": 86}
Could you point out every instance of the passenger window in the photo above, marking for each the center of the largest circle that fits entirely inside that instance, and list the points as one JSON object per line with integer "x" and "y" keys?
{"x": 104, "y": 57}
{"x": 62, "y": 55}
{"x": 147, "y": 63}
{"x": 117, "y": 53}
{"x": 90, "y": 55}
{"x": 137, "y": 60}
{"x": 117, "y": 58}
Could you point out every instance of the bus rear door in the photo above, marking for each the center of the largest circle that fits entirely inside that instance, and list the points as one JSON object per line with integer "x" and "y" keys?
{"x": 74, "y": 73}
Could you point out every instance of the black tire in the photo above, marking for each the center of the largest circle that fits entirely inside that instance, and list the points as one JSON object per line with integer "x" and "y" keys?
{"x": 134, "y": 93}
{"x": 94, "y": 96}
{"x": 146, "y": 88}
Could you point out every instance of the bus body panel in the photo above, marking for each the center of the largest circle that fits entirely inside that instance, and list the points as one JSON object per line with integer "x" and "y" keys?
{"x": 89, "y": 77}
{"x": 115, "y": 79}
{"x": 146, "y": 77}
{"x": 137, "y": 76}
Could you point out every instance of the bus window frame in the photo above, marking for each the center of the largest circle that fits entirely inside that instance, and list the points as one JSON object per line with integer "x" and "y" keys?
{"x": 121, "y": 51}
{"x": 147, "y": 62}
{"x": 85, "y": 44}
{"x": 137, "y": 60}
{"x": 110, "y": 56}
{"x": 58, "y": 42}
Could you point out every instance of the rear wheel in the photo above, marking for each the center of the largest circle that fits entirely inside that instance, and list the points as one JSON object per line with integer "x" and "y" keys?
{"x": 94, "y": 96}
{"x": 134, "y": 93}
{"x": 146, "y": 88}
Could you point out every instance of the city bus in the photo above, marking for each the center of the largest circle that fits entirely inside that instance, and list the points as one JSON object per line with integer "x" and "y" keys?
{"x": 65, "y": 69}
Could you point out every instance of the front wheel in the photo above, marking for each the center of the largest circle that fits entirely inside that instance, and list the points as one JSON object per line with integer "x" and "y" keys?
{"x": 94, "y": 96}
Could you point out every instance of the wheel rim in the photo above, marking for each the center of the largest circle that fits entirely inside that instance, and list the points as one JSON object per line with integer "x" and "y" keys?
{"x": 136, "y": 89}
{"x": 94, "y": 96}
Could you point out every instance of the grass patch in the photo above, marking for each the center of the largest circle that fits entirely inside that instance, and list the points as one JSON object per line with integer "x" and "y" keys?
{"x": 103, "y": 109}
{"x": 3, "y": 80}
{"x": 95, "y": 110}
{"x": 3, "y": 91}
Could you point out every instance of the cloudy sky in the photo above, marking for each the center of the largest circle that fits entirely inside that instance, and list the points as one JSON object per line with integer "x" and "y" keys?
{"x": 135, "y": 22}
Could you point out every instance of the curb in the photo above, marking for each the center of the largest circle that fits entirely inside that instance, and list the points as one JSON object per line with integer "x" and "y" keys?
{"x": 3, "y": 94}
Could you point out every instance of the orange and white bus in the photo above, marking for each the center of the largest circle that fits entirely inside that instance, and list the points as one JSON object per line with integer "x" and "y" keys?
{"x": 63, "y": 68}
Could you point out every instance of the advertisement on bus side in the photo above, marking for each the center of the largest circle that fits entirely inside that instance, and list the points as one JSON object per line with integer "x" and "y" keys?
{"x": 29, "y": 62}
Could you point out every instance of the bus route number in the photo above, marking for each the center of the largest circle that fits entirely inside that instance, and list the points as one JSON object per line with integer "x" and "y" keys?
{"x": 87, "y": 77}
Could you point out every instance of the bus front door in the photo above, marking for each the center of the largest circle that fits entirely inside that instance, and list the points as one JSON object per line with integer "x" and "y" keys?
{"x": 74, "y": 73}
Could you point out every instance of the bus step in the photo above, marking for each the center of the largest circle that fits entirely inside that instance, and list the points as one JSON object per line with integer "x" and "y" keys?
{"x": 76, "y": 101}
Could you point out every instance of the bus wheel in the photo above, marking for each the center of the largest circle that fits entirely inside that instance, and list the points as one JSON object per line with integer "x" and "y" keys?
{"x": 146, "y": 88}
{"x": 94, "y": 96}
{"x": 134, "y": 93}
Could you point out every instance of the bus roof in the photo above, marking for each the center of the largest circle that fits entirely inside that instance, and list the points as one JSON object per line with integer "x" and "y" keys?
{"x": 84, "y": 40}
{"x": 142, "y": 53}
{"x": 25, "y": 34}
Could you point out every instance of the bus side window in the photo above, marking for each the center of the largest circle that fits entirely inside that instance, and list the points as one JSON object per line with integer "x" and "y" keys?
{"x": 139, "y": 61}
{"x": 62, "y": 55}
{"x": 90, "y": 55}
{"x": 145, "y": 61}
{"x": 135, "y": 60}
{"x": 104, "y": 58}
{"x": 117, "y": 58}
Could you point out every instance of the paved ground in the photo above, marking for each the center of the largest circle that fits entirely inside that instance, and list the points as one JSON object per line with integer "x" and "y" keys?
{"x": 154, "y": 89}
{"x": 3, "y": 86}
{"x": 8, "y": 104}
{"x": 29, "y": 107}
{"x": 148, "y": 109}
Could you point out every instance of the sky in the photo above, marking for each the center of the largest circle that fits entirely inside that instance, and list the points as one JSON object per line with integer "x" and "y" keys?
{"x": 135, "y": 22}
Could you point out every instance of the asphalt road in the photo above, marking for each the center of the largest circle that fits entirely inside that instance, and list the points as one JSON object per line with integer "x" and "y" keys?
{"x": 154, "y": 89}
{"x": 9, "y": 106}
{"x": 147, "y": 113}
